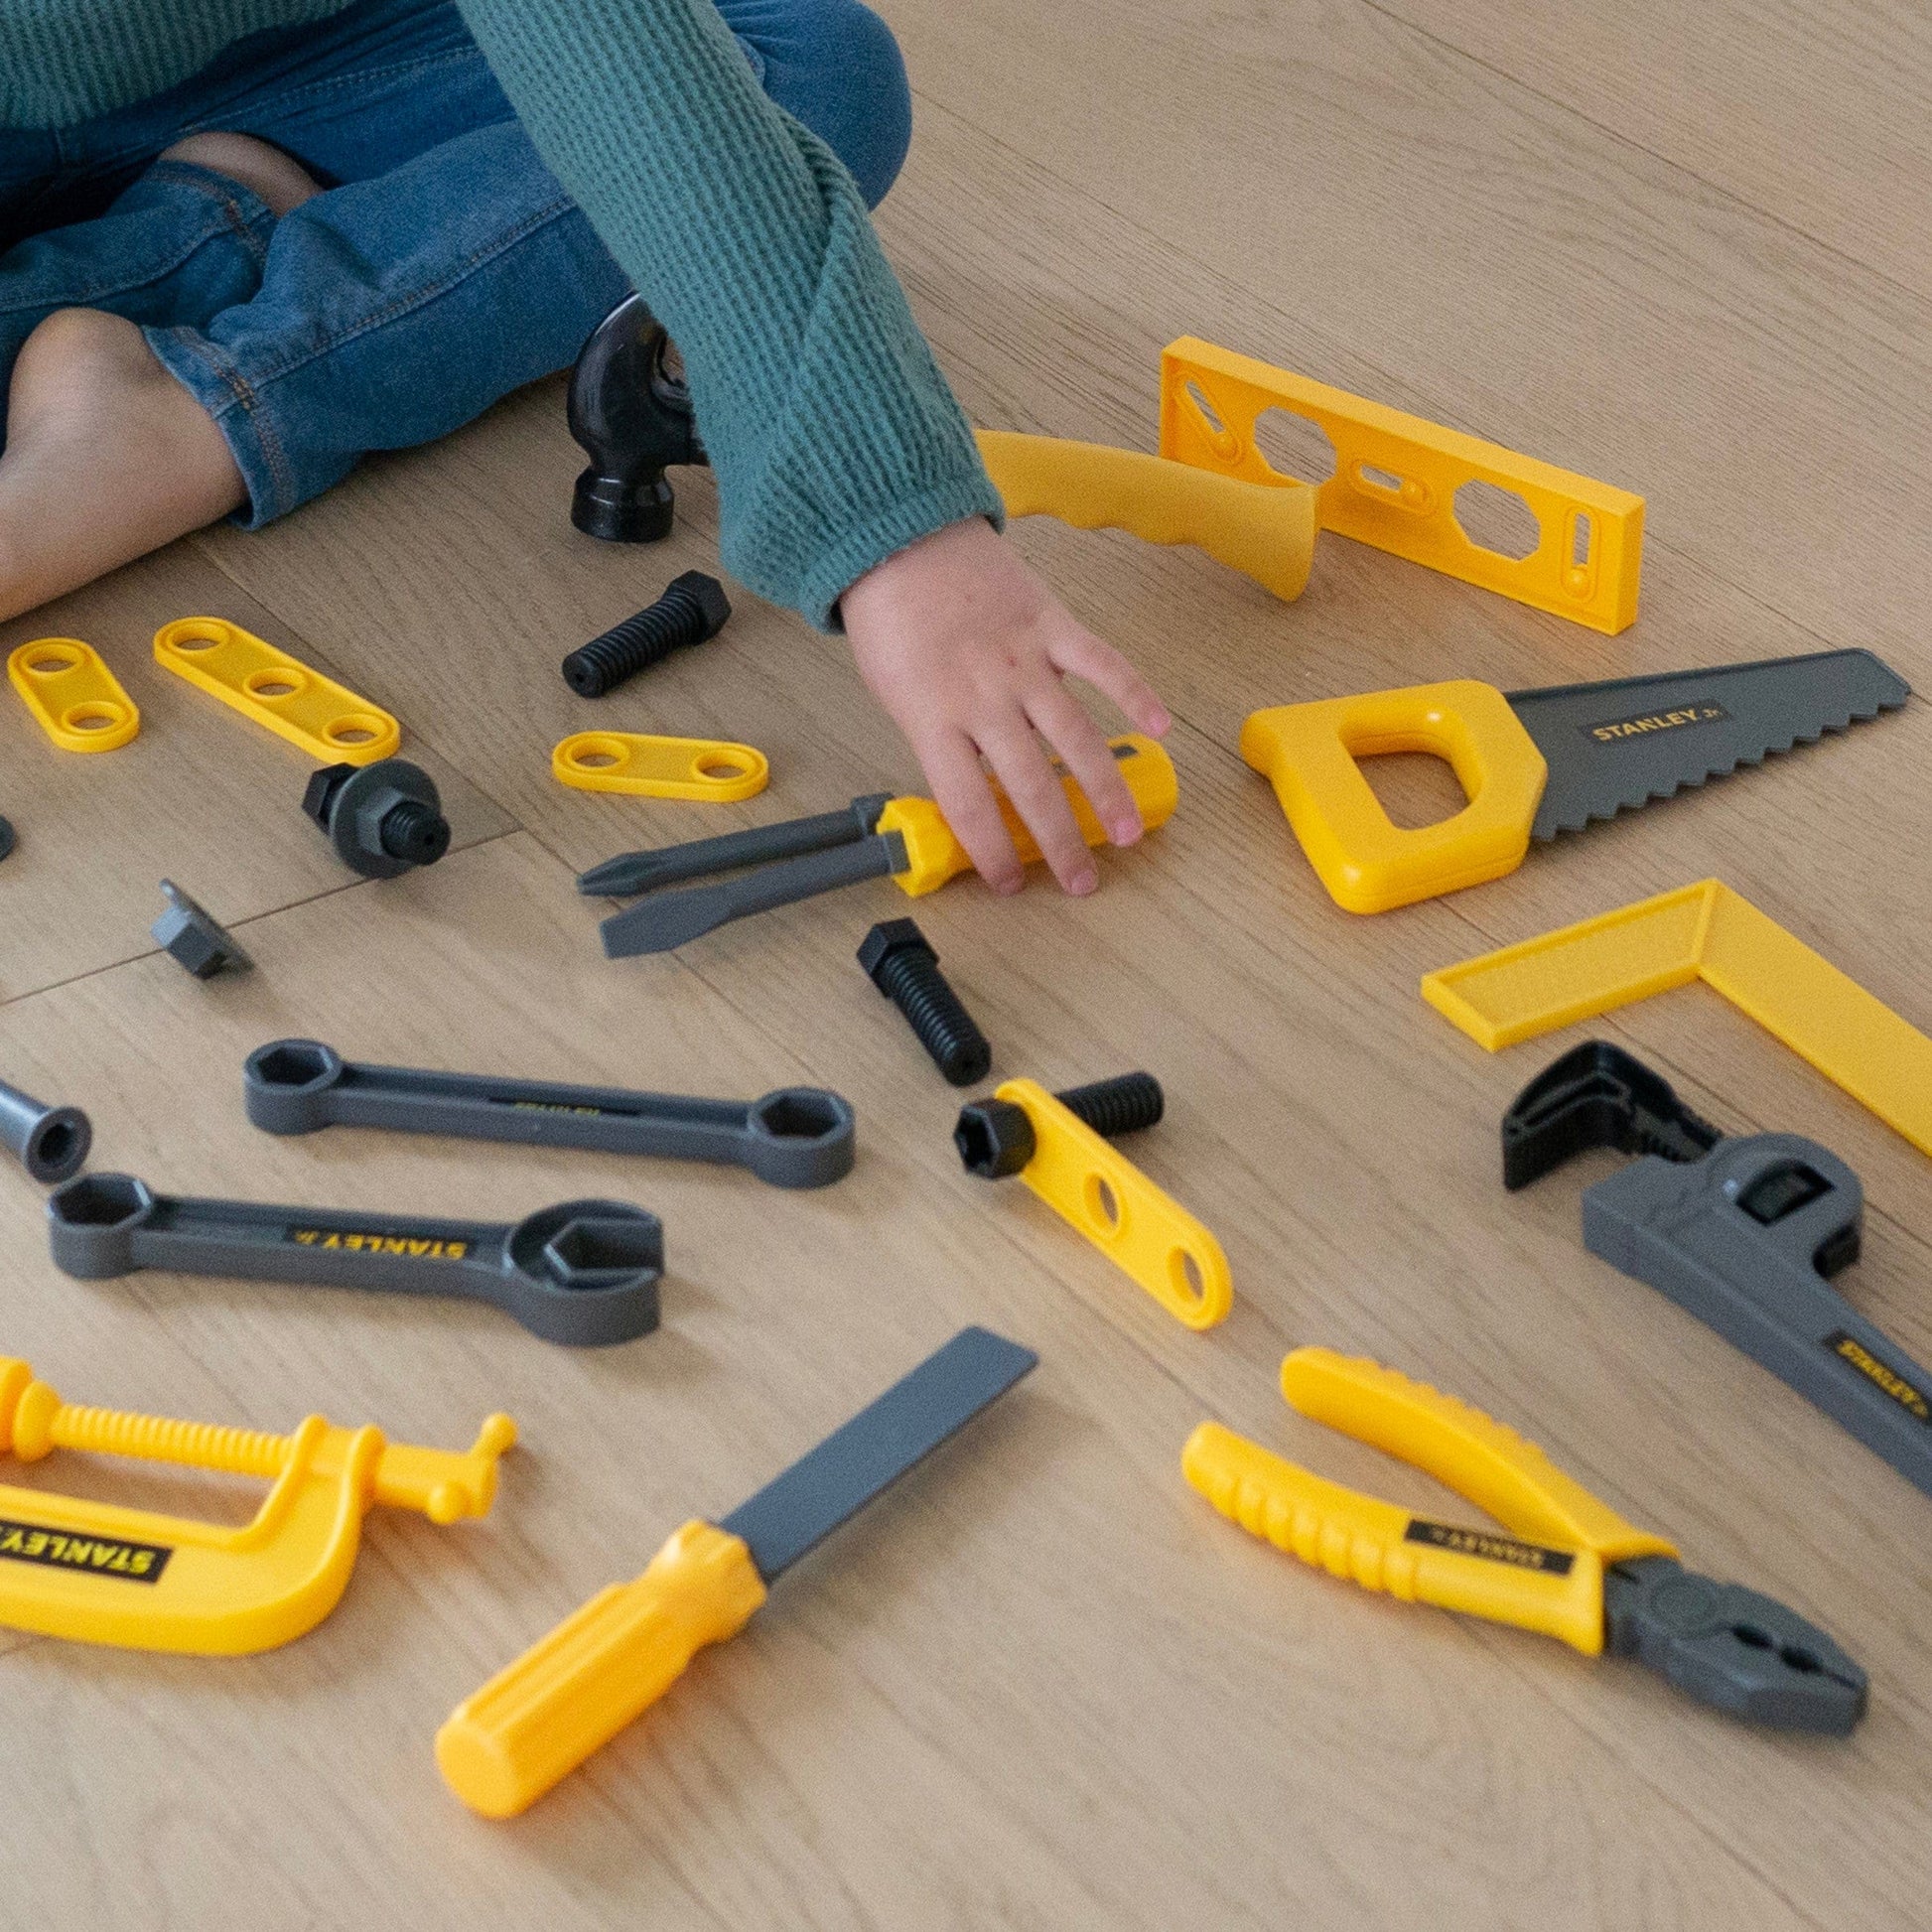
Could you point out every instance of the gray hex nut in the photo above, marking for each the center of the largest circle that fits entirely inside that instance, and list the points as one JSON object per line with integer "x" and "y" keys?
{"x": 383, "y": 819}
{"x": 194, "y": 937}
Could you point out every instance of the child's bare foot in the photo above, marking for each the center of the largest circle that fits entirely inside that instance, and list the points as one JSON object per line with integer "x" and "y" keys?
{"x": 107, "y": 458}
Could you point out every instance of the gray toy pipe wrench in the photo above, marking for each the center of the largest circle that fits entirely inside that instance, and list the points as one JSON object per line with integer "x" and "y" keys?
{"x": 1744, "y": 1233}
{"x": 797, "y": 1136}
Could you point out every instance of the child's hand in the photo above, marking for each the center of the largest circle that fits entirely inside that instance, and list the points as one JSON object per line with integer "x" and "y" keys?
{"x": 966, "y": 650}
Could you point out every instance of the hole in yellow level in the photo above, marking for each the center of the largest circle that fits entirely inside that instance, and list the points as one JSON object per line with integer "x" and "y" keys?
{"x": 52, "y": 663}
{"x": 1103, "y": 1205}
{"x": 1579, "y": 537}
{"x": 592, "y": 761}
{"x": 1210, "y": 415}
{"x": 719, "y": 767}
{"x": 1379, "y": 479}
{"x": 1497, "y": 520}
{"x": 93, "y": 716}
{"x": 353, "y": 731}
{"x": 1295, "y": 446}
{"x": 194, "y": 640}
{"x": 1415, "y": 788}
{"x": 272, "y": 684}
{"x": 1187, "y": 1275}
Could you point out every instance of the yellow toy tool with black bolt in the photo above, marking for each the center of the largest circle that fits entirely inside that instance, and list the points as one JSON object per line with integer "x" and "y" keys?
{"x": 100, "y": 1573}
{"x": 1569, "y": 1566}
{"x": 906, "y": 840}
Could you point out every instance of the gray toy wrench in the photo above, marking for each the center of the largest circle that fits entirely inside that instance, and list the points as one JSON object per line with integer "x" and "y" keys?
{"x": 1742, "y": 1233}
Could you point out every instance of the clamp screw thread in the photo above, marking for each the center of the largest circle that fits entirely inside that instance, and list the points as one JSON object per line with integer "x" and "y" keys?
{"x": 692, "y": 610}
{"x": 414, "y": 833}
{"x": 1125, "y": 1104}
{"x": 905, "y": 969}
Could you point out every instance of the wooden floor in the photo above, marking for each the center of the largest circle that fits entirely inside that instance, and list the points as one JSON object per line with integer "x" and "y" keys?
{"x": 1044, "y": 1685}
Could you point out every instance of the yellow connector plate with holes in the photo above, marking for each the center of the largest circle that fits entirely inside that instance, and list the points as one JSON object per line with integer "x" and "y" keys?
{"x": 1704, "y": 932}
{"x": 1093, "y": 1186}
{"x": 1398, "y": 478}
{"x": 75, "y": 697}
{"x": 98, "y": 1572}
{"x": 252, "y": 677}
{"x": 1267, "y": 533}
{"x": 702, "y": 768}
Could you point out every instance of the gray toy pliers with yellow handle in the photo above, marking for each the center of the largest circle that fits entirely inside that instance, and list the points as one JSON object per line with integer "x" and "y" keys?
{"x": 1569, "y": 1565}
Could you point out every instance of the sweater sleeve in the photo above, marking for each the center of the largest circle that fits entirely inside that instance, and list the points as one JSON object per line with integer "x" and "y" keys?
{"x": 835, "y": 439}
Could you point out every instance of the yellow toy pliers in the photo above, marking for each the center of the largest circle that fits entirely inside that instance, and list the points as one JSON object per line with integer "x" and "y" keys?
{"x": 1569, "y": 1566}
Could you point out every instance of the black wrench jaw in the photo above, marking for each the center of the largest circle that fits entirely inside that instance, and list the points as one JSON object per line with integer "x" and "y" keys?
{"x": 1731, "y": 1648}
{"x": 1597, "y": 1095}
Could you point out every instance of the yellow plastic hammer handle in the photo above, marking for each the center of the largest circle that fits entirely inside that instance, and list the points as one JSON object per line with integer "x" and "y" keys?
{"x": 1264, "y": 530}
{"x": 935, "y": 855}
{"x": 1382, "y": 1547}
{"x": 572, "y": 1692}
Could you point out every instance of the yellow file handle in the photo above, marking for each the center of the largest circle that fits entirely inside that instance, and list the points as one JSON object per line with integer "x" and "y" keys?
{"x": 1307, "y": 752}
{"x": 934, "y": 855}
{"x": 1559, "y": 1593}
{"x": 1264, "y": 530}
{"x": 573, "y": 1691}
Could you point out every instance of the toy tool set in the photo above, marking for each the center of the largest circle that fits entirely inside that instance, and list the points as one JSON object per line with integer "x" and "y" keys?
{"x": 1568, "y": 1566}
{"x": 1743, "y": 1232}
{"x": 572, "y": 1692}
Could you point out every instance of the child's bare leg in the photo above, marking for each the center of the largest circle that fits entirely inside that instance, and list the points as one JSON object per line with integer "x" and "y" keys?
{"x": 107, "y": 456}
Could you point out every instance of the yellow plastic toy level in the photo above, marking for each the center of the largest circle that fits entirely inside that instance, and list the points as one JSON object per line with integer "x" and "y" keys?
{"x": 1704, "y": 931}
{"x": 1092, "y": 1187}
{"x": 249, "y": 675}
{"x": 573, "y": 1691}
{"x": 934, "y": 855}
{"x": 1263, "y": 531}
{"x": 1544, "y": 1574}
{"x": 1368, "y": 864}
{"x": 74, "y": 697}
{"x": 700, "y": 769}
{"x": 96, "y": 1573}
{"x": 1398, "y": 478}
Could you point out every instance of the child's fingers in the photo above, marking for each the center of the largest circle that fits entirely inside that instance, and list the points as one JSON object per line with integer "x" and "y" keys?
{"x": 959, "y": 788}
{"x": 1041, "y": 800}
{"x": 1059, "y": 718}
{"x": 1077, "y": 652}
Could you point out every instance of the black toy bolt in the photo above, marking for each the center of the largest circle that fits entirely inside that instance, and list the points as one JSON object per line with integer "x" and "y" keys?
{"x": 899, "y": 961}
{"x": 383, "y": 819}
{"x": 692, "y": 611}
{"x": 995, "y": 1138}
{"x": 52, "y": 1142}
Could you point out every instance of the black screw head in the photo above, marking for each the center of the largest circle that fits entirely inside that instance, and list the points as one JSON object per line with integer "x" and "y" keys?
{"x": 709, "y": 595}
{"x": 994, "y": 1138}
{"x": 887, "y": 939}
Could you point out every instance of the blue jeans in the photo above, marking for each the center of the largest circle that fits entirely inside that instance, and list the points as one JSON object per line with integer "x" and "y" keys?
{"x": 442, "y": 267}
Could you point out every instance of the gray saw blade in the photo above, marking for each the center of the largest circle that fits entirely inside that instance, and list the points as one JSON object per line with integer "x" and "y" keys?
{"x": 1615, "y": 746}
{"x": 796, "y": 1511}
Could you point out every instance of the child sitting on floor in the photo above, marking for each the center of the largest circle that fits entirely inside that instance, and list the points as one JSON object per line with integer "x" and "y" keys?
{"x": 246, "y": 240}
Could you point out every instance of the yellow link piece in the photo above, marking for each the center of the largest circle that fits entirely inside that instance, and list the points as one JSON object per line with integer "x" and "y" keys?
{"x": 72, "y": 695}
{"x": 573, "y": 1689}
{"x": 1367, "y": 863}
{"x": 1703, "y": 932}
{"x": 252, "y": 676}
{"x": 1399, "y": 479}
{"x": 934, "y": 855}
{"x": 1263, "y": 530}
{"x": 700, "y": 769}
{"x": 1093, "y": 1187}
{"x": 98, "y": 1572}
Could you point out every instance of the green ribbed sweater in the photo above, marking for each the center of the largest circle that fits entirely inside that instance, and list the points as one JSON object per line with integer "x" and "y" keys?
{"x": 834, "y": 437}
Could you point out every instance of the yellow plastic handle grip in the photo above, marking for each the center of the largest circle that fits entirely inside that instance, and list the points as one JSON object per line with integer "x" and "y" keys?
{"x": 1264, "y": 530}
{"x": 1559, "y": 1593}
{"x": 934, "y": 855}
{"x": 1367, "y": 863}
{"x": 572, "y": 1692}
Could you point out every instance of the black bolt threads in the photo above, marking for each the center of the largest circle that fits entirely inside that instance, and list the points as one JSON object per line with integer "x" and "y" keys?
{"x": 899, "y": 961}
{"x": 692, "y": 610}
{"x": 414, "y": 833}
{"x": 995, "y": 1138}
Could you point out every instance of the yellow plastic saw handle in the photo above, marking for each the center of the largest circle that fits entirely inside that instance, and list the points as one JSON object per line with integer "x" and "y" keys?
{"x": 1382, "y": 1547}
{"x": 1367, "y": 863}
{"x": 573, "y": 1691}
{"x": 1264, "y": 530}
{"x": 934, "y": 855}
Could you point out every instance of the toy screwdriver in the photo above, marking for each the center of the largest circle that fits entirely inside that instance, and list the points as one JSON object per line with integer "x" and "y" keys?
{"x": 906, "y": 840}
{"x": 1570, "y": 1566}
{"x": 573, "y": 1691}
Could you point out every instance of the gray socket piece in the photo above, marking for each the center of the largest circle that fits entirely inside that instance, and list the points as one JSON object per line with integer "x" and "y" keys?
{"x": 194, "y": 937}
{"x": 797, "y": 1136}
{"x": 583, "y": 1272}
